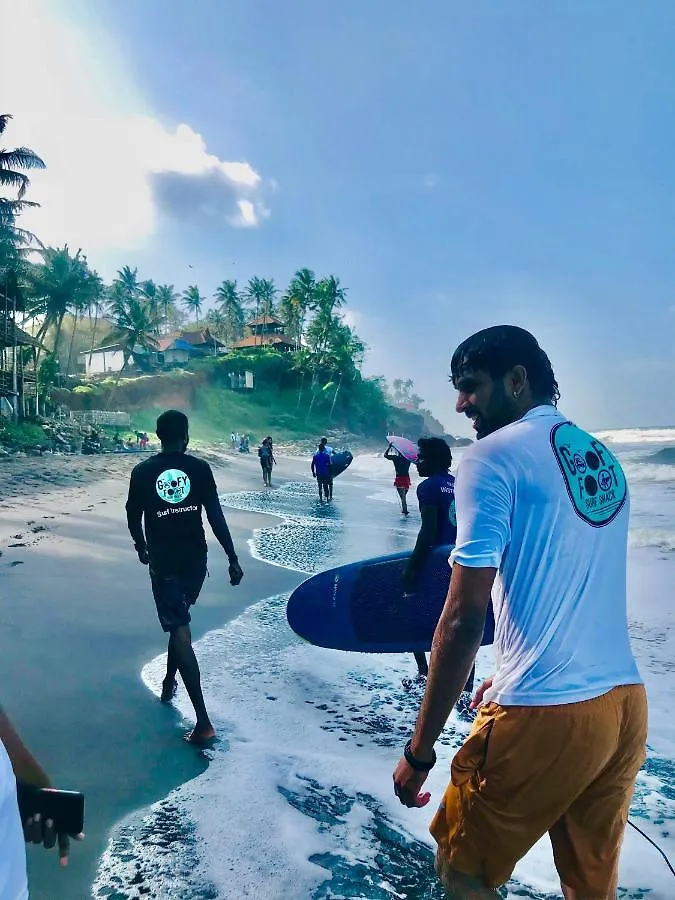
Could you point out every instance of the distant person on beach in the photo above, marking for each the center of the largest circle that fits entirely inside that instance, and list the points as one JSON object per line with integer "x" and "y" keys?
{"x": 321, "y": 471}
{"x": 542, "y": 516}
{"x": 436, "y": 498}
{"x": 402, "y": 475}
{"x": 169, "y": 491}
{"x": 267, "y": 460}
{"x": 17, "y": 764}
{"x": 329, "y": 450}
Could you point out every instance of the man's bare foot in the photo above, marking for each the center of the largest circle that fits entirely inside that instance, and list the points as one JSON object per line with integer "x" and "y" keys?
{"x": 169, "y": 689}
{"x": 201, "y": 734}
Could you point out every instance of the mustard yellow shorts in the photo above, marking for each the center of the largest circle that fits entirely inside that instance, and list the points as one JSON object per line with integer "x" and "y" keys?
{"x": 523, "y": 771}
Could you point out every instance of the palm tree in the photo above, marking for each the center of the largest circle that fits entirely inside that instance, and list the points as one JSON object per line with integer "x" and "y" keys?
{"x": 60, "y": 284}
{"x": 167, "y": 298}
{"x": 136, "y": 326}
{"x": 193, "y": 300}
{"x": 232, "y": 311}
{"x": 324, "y": 327}
{"x": 329, "y": 296}
{"x": 127, "y": 280}
{"x": 261, "y": 293}
{"x": 11, "y": 161}
{"x": 83, "y": 302}
{"x": 299, "y": 300}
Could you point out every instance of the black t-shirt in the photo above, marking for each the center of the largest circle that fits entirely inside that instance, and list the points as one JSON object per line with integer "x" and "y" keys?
{"x": 401, "y": 465}
{"x": 169, "y": 491}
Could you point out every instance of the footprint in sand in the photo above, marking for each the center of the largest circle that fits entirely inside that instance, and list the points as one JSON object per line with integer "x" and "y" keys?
{"x": 16, "y": 562}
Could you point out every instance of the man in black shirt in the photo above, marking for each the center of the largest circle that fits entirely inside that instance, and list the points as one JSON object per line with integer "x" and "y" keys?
{"x": 168, "y": 491}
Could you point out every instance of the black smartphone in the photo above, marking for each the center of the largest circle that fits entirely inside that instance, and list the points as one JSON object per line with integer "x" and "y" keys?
{"x": 64, "y": 808}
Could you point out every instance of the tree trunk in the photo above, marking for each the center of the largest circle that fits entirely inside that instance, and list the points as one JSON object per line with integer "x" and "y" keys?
{"x": 337, "y": 389}
{"x": 93, "y": 335}
{"x": 57, "y": 337}
{"x": 72, "y": 339}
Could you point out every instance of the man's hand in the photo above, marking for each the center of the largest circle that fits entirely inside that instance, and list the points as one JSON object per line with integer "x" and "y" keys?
{"x": 35, "y": 831}
{"x": 143, "y": 557}
{"x": 477, "y": 698}
{"x": 407, "y": 784}
{"x": 236, "y": 572}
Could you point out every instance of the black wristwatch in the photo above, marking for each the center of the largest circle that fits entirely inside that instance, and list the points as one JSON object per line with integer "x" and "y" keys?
{"x": 417, "y": 764}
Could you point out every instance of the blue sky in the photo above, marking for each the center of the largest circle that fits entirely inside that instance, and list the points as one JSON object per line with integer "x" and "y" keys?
{"x": 455, "y": 164}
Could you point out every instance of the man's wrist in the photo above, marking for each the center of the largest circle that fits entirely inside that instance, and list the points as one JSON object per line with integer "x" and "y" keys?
{"x": 421, "y": 750}
{"x": 234, "y": 560}
{"x": 417, "y": 760}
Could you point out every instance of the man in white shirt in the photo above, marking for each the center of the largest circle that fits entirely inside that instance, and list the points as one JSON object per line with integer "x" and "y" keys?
{"x": 542, "y": 515}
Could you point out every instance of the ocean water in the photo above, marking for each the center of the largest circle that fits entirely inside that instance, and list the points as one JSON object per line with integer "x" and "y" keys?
{"x": 297, "y": 800}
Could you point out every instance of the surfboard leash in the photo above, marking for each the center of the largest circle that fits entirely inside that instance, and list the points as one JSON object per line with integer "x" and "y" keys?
{"x": 655, "y": 845}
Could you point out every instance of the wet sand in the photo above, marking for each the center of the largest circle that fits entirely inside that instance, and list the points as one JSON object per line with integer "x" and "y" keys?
{"x": 78, "y": 624}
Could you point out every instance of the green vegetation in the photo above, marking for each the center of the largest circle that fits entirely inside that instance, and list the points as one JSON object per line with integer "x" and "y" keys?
{"x": 316, "y": 384}
{"x": 20, "y": 435}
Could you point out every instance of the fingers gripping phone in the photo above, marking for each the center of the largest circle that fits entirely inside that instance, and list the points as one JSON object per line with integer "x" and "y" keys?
{"x": 64, "y": 808}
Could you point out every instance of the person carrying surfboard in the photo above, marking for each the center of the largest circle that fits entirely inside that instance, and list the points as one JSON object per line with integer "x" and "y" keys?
{"x": 542, "y": 527}
{"x": 329, "y": 450}
{"x": 267, "y": 460}
{"x": 436, "y": 499}
{"x": 321, "y": 471}
{"x": 402, "y": 475}
{"x": 168, "y": 492}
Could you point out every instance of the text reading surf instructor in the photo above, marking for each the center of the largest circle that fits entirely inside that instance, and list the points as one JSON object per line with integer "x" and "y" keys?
{"x": 542, "y": 514}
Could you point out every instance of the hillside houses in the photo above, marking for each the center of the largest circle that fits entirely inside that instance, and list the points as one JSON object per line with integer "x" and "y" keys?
{"x": 172, "y": 350}
{"x": 265, "y": 331}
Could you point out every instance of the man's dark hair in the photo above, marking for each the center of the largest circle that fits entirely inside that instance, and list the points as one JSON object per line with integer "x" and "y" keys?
{"x": 498, "y": 349}
{"x": 171, "y": 426}
{"x": 323, "y": 440}
{"x": 436, "y": 452}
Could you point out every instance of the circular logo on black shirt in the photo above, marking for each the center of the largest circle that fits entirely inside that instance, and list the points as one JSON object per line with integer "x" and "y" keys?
{"x": 173, "y": 486}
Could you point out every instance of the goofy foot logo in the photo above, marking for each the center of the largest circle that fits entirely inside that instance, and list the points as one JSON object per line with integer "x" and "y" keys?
{"x": 173, "y": 486}
{"x": 594, "y": 478}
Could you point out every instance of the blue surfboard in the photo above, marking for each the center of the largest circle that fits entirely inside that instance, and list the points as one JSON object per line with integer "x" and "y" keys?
{"x": 362, "y": 606}
{"x": 339, "y": 461}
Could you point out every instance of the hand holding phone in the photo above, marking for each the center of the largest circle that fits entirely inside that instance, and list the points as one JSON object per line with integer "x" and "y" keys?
{"x": 50, "y": 816}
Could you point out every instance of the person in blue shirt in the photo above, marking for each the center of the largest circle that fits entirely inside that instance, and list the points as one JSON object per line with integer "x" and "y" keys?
{"x": 436, "y": 498}
{"x": 321, "y": 471}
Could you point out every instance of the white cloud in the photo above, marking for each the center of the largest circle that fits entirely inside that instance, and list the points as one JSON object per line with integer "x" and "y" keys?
{"x": 248, "y": 217}
{"x": 352, "y": 317}
{"x": 74, "y": 104}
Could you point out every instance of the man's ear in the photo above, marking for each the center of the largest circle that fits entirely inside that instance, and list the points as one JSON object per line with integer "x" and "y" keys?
{"x": 516, "y": 381}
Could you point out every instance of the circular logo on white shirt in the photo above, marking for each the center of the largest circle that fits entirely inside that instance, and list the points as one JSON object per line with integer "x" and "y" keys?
{"x": 173, "y": 486}
{"x": 593, "y": 476}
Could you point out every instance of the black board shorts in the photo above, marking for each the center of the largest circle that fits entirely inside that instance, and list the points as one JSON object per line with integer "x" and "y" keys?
{"x": 176, "y": 592}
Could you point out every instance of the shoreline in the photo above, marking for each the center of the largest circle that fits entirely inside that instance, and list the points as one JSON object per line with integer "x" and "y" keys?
{"x": 95, "y": 727}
